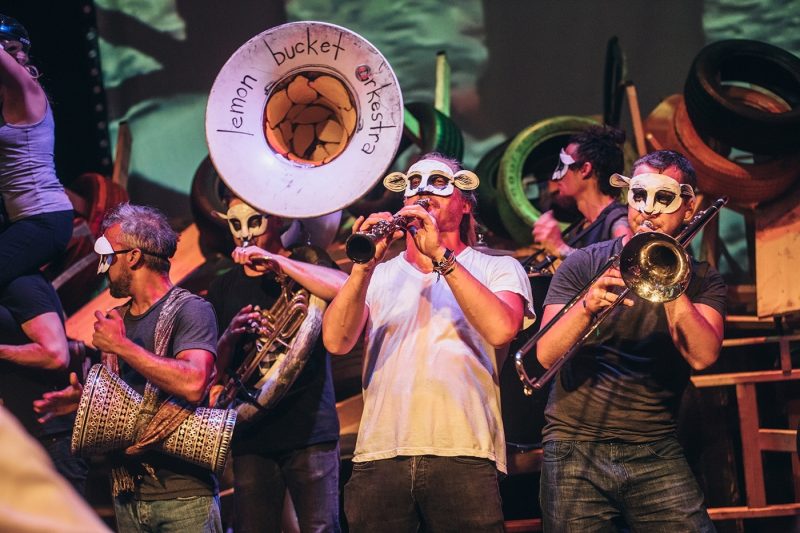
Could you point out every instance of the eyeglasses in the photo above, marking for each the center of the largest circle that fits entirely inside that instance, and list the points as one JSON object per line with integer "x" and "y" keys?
{"x": 108, "y": 258}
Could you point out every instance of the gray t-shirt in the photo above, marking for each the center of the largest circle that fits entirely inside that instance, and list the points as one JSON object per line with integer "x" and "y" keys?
{"x": 28, "y": 182}
{"x": 625, "y": 384}
{"x": 195, "y": 329}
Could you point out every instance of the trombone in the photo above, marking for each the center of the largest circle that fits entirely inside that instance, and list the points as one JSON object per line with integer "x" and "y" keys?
{"x": 653, "y": 265}
{"x": 543, "y": 267}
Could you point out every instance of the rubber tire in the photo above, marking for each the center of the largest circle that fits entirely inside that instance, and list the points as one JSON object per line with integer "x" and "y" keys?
{"x": 511, "y": 168}
{"x": 438, "y": 131}
{"x": 204, "y": 197}
{"x": 668, "y": 127}
{"x": 734, "y": 123}
{"x": 488, "y": 192}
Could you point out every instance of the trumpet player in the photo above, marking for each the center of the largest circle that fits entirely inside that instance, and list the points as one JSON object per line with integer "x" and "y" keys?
{"x": 436, "y": 319}
{"x": 581, "y": 180}
{"x": 610, "y": 448}
{"x": 294, "y": 446}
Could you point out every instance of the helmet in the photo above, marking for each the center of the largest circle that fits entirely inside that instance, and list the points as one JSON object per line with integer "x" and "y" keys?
{"x": 14, "y": 31}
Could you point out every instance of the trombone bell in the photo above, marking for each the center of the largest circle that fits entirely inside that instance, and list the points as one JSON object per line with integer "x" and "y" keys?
{"x": 655, "y": 267}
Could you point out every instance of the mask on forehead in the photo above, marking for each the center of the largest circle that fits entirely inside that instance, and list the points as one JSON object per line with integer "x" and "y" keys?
{"x": 245, "y": 222}
{"x": 564, "y": 161}
{"x": 432, "y": 177}
{"x": 653, "y": 193}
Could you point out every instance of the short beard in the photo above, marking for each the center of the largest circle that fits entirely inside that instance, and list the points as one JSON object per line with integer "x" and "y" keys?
{"x": 120, "y": 288}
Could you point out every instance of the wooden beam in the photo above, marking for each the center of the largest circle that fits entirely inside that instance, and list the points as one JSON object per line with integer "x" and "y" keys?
{"x": 762, "y": 376}
{"x": 636, "y": 117}
{"x": 777, "y": 440}
{"x": 749, "y": 341}
{"x": 736, "y": 513}
{"x": 751, "y": 452}
{"x": 122, "y": 157}
{"x": 521, "y": 526}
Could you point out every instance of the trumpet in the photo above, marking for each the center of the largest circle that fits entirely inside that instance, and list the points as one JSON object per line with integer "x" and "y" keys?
{"x": 653, "y": 265}
{"x": 360, "y": 246}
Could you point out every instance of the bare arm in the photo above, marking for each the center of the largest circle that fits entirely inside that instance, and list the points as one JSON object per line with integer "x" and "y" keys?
{"x": 186, "y": 376}
{"x": 321, "y": 281}
{"x": 48, "y": 347}
{"x": 347, "y": 314}
{"x": 24, "y": 101}
{"x": 569, "y": 328}
{"x": 696, "y": 330}
{"x": 496, "y": 316}
{"x": 547, "y": 233}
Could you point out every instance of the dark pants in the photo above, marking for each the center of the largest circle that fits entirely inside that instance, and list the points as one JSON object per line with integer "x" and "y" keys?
{"x": 439, "y": 493}
{"x": 590, "y": 486}
{"x": 312, "y": 476}
{"x": 30, "y": 243}
{"x": 73, "y": 469}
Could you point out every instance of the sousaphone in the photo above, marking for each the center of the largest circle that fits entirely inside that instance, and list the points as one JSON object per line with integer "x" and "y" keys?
{"x": 301, "y": 122}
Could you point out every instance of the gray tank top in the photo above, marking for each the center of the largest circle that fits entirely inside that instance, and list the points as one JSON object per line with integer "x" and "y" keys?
{"x": 28, "y": 182}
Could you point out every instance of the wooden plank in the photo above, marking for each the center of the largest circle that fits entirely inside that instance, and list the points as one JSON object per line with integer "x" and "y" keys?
{"x": 749, "y": 341}
{"x": 735, "y": 513}
{"x": 636, "y": 117}
{"x": 716, "y": 514}
{"x": 751, "y": 452}
{"x": 793, "y": 411}
{"x": 762, "y": 376}
{"x": 523, "y": 461}
{"x": 187, "y": 259}
{"x": 521, "y": 526}
{"x": 777, "y": 440}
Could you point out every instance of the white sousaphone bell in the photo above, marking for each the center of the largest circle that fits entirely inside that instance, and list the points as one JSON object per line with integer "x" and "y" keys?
{"x": 301, "y": 122}
{"x": 110, "y": 411}
{"x": 304, "y": 119}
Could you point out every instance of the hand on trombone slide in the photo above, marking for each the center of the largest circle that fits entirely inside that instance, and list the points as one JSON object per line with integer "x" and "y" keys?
{"x": 603, "y": 292}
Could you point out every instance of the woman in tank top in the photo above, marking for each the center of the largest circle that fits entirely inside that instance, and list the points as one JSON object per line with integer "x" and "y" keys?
{"x": 36, "y": 212}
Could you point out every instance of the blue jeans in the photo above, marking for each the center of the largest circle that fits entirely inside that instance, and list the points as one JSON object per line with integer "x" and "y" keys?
{"x": 312, "y": 476}
{"x": 590, "y": 486}
{"x": 195, "y": 514}
{"x": 440, "y": 493}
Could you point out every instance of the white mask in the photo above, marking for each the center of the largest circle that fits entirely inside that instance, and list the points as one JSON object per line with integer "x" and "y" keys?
{"x": 564, "y": 161}
{"x": 652, "y": 194}
{"x": 245, "y": 222}
{"x": 430, "y": 176}
{"x": 104, "y": 249}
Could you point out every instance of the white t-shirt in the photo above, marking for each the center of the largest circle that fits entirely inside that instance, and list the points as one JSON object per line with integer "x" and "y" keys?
{"x": 430, "y": 381}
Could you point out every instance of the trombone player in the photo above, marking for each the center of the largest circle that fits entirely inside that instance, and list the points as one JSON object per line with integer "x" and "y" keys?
{"x": 610, "y": 450}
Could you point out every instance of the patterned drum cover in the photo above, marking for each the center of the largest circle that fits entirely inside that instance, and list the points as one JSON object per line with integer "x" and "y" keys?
{"x": 107, "y": 416}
